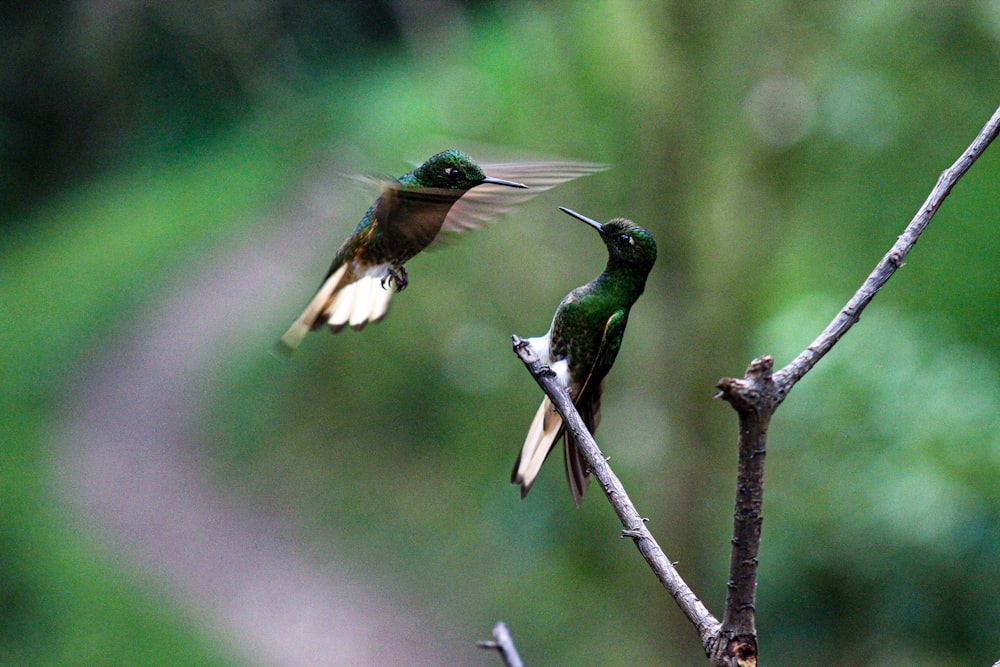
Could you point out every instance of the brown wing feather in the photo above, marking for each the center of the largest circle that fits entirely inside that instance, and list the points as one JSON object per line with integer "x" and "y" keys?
{"x": 488, "y": 202}
{"x": 412, "y": 217}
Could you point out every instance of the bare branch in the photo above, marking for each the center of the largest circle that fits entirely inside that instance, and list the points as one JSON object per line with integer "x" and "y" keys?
{"x": 755, "y": 399}
{"x": 503, "y": 644}
{"x": 634, "y": 525}
{"x": 757, "y": 395}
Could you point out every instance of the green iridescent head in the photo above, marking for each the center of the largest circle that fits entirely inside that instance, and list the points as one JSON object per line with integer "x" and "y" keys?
{"x": 454, "y": 170}
{"x": 628, "y": 243}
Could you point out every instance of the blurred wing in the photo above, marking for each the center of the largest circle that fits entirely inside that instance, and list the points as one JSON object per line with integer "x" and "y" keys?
{"x": 486, "y": 203}
{"x": 367, "y": 183}
{"x": 414, "y": 213}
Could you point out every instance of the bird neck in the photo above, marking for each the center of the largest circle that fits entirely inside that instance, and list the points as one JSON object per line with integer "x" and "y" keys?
{"x": 622, "y": 283}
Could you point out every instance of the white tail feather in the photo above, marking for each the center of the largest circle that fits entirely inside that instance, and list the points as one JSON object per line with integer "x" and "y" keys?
{"x": 340, "y": 309}
{"x": 542, "y": 434}
{"x": 381, "y": 304}
{"x": 362, "y": 303}
{"x": 358, "y": 304}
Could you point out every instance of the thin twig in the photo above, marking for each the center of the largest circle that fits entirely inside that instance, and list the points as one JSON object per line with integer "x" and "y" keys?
{"x": 503, "y": 644}
{"x": 786, "y": 378}
{"x": 757, "y": 395}
{"x": 634, "y": 525}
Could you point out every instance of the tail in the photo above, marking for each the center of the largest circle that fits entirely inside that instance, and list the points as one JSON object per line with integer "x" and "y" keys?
{"x": 576, "y": 470}
{"x": 545, "y": 429}
{"x": 336, "y": 304}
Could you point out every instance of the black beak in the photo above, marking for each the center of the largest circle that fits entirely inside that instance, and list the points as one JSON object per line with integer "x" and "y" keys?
{"x": 593, "y": 223}
{"x": 499, "y": 181}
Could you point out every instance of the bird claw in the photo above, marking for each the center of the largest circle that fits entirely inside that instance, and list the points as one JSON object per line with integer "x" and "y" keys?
{"x": 397, "y": 278}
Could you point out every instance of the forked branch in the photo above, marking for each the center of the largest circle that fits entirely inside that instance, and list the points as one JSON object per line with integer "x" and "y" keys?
{"x": 758, "y": 394}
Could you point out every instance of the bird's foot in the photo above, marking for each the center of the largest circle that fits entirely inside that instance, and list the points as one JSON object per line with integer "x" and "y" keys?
{"x": 397, "y": 278}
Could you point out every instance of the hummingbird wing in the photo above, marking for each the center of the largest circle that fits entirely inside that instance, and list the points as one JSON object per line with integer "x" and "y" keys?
{"x": 487, "y": 202}
{"x": 478, "y": 206}
{"x": 587, "y": 399}
{"x": 412, "y": 216}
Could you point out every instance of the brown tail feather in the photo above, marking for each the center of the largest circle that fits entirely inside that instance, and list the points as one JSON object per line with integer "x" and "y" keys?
{"x": 576, "y": 471}
{"x": 319, "y": 304}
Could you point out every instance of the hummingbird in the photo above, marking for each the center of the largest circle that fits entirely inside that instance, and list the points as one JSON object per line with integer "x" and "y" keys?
{"x": 581, "y": 345}
{"x": 449, "y": 193}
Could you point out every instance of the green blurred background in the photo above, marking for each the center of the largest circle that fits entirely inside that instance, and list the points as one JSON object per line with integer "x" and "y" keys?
{"x": 173, "y": 187}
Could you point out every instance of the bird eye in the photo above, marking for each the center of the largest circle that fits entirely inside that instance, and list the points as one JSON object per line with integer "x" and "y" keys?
{"x": 626, "y": 238}
{"x": 453, "y": 173}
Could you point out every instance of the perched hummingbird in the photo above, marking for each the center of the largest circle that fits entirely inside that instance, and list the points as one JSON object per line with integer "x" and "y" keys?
{"x": 447, "y": 193}
{"x": 581, "y": 345}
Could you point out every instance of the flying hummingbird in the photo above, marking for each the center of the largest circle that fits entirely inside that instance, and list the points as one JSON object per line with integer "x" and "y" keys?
{"x": 449, "y": 193}
{"x": 581, "y": 345}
